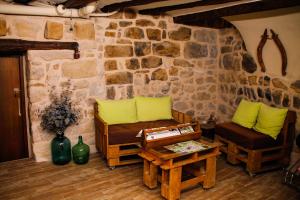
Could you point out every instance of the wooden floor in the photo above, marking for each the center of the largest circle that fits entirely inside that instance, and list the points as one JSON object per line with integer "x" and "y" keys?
{"x": 26, "y": 179}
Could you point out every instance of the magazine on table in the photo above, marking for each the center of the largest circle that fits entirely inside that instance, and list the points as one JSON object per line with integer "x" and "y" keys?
{"x": 187, "y": 147}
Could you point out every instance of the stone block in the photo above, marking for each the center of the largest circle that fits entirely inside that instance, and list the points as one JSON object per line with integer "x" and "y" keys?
{"x": 82, "y": 84}
{"x": 296, "y": 86}
{"x": 124, "y": 41}
{"x": 182, "y": 34}
{"x": 110, "y": 65}
{"x": 54, "y": 30}
{"x": 252, "y": 80}
{"x": 162, "y": 24}
{"x": 26, "y": 29}
{"x": 213, "y": 51}
{"x": 144, "y": 22}
{"x": 110, "y": 34}
{"x": 3, "y": 28}
{"x": 279, "y": 84}
{"x": 142, "y": 48}
{"x": 168, "y": 49}
{"x": 205, "y": 36}
{"x": 80, "y": 69}
{"x": 84, "y": 31}
{"x": 37, "y": 72}
{"x": 51, "y": 55}
{"x": 173, "y": 71}
{"x": 112, "y": 51}
{"x": 124, "y": 23}
{"x": 151, "y": 62}
{"x": 248, "y": 63}
{"x": 110, "y": 93}
{"x": 195, "y": 50}
{"x": 182, "y": 63}
{"x": 119, "y": 78}
{"x": 134, "y": 33}
{"x": 228, "y": 61}
{"x": 159, "y": 74}
{"x": 296, "y": 102}
{"x": 112, "y": 26}
{"x": 37, "y": 94}
{"x": 132, "y": 63}
{"x": 153, "y": 34}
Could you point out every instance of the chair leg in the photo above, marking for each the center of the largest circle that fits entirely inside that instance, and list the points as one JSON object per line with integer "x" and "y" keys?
{"x": 232, "y": 152}
{"x": 254, "y": 161}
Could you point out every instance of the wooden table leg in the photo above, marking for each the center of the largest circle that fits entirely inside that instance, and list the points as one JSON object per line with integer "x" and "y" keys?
{"x": 150, "y": 174}
{"x": 210, "y": 174}
{"x": 171, "y": 183}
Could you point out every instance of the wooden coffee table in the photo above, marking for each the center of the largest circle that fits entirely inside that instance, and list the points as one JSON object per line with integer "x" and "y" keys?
{"x": 200, "y": 167}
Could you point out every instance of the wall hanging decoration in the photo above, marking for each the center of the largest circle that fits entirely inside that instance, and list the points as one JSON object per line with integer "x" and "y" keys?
{"x": 56, "y": 118}
{"x": 280, "y": 46}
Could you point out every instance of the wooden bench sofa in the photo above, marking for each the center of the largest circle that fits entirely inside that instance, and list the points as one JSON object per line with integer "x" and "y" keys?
{"x": 258, "y": 151}
{"x": 118, "y": 143}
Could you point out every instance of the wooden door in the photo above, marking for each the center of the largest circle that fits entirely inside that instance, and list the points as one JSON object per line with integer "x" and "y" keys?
{"x": 13, "y": 137}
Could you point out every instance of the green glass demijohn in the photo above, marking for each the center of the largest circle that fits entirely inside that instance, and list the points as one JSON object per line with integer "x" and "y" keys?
{"x": 61, "y": 150}
{"x": 81, "y": 152}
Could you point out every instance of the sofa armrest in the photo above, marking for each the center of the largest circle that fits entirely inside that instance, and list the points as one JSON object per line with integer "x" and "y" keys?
{"x": 184, "y": 118}
{"x": 288, "y": 129}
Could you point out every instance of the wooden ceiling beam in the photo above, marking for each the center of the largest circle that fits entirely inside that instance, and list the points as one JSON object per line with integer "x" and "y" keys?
{"x": 210, "y": 22}
{"x": 156, "y": 11}
{"x": 77, "y": 3}
{"x": 264, "y": 5}
{"x": 126, "y": 4}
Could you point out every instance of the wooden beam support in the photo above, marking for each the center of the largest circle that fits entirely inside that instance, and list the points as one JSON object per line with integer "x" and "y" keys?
{"x": 204, "y": 17}
{"x": 156, "y": 11}
{"x": 15, "y": 45}
{"x": 77, "y": 3}
{"x": 126, "y": 4}
{"x": 209, "y": 22}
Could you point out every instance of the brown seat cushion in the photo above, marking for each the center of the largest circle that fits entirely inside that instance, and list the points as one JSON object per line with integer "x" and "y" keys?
{"x": 247, "y": 138}
{"x": 126, "y": 133}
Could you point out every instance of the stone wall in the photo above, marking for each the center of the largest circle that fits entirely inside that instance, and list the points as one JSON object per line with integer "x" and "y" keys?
{"x": 240, "y": 77}
{"x": 122, "y": 56}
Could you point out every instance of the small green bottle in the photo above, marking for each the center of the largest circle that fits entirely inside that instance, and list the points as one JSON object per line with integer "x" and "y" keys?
{"x": 81, "y": 152}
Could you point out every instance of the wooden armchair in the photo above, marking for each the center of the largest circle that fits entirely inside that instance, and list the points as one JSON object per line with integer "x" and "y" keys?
{"x": 258, "y": 151}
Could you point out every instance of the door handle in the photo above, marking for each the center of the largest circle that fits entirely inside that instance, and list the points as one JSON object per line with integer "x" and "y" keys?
{"x": 17, "y": 94}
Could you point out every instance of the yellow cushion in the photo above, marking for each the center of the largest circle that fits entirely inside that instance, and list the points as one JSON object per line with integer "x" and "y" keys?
{"x": 153, "y": 108}
{"x": 270, "y": 120}
{"x": 246, "y": 113}
{"x": 117, "y": 111}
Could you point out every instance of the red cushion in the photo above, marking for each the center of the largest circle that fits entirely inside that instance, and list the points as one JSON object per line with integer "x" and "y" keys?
{"x": 126, "y": 133}
{"x": 247, "y": 138}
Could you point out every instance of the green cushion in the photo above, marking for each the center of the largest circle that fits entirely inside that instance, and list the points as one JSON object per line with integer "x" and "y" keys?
{"x": 270, "y": 120}
{"x": 246, "y": 113}
{"x": 152, "y": 108}
{"x": 117, "y": 111}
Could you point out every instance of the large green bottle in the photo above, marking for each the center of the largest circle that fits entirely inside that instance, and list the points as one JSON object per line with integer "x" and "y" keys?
{"x": 61, "y": 150}
{"x": 81, "y": 152}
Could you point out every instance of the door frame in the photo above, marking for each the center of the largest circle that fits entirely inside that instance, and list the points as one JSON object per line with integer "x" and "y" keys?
{"x": 23, "y": 100}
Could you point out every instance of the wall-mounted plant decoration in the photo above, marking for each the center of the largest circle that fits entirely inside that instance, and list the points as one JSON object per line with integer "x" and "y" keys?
{"x": 280, "y": 46}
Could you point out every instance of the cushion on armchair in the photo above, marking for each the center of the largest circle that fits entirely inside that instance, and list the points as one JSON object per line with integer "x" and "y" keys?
{"x": 117, "y": 111}
{"x": 270, "y": 120}
{"x": 153, "y": 108}
{"x": 246, "y": 113}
